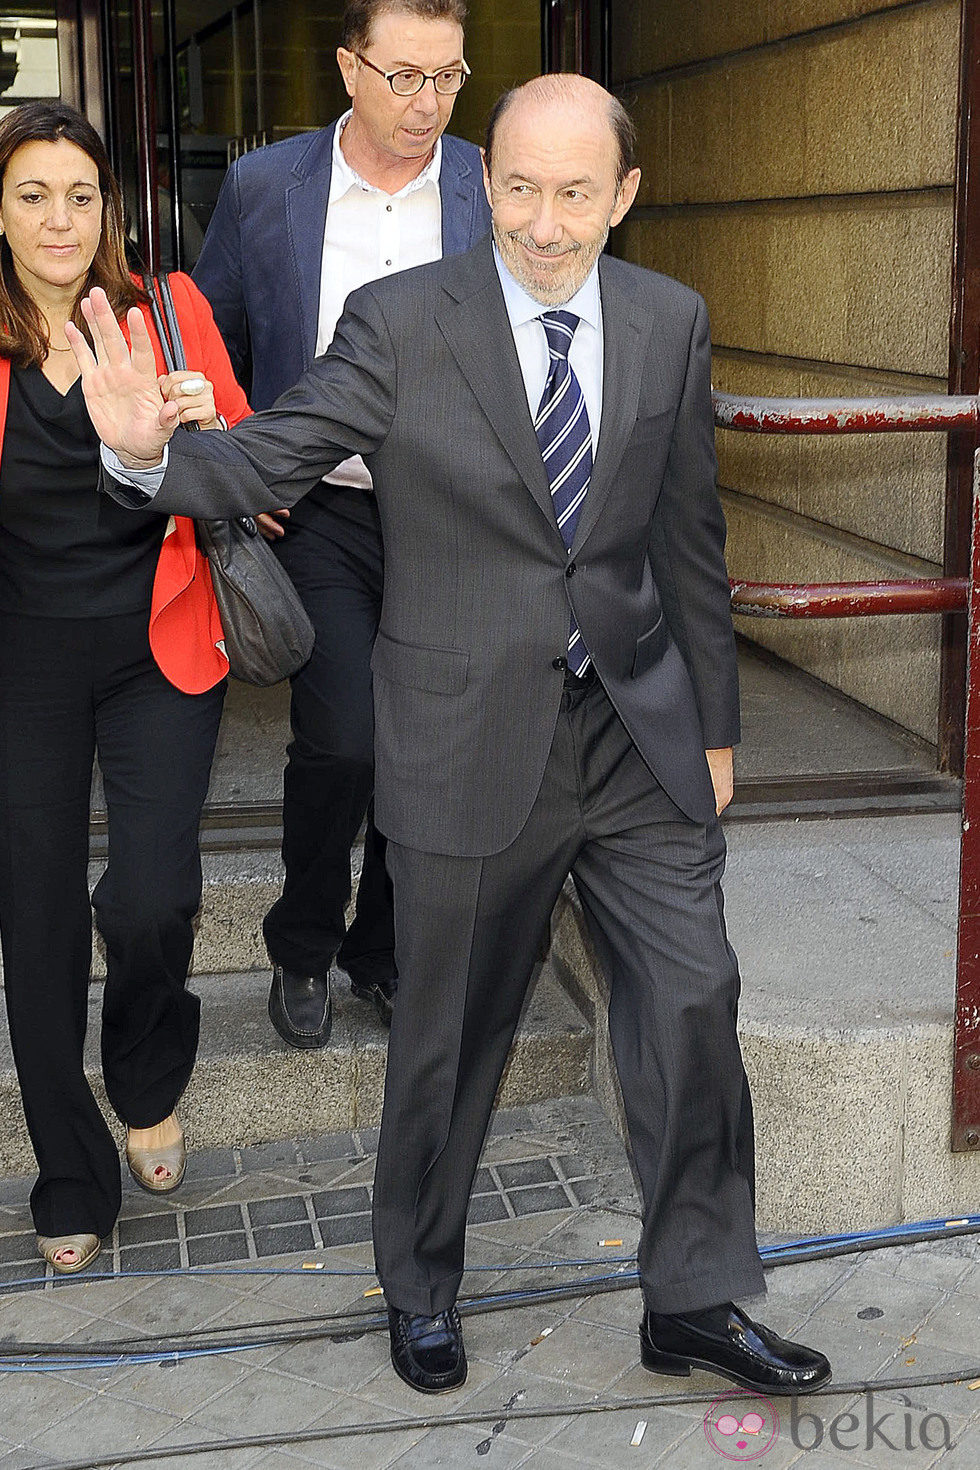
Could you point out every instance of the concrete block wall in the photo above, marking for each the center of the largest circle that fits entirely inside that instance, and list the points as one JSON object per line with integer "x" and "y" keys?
{"x": 503, "y": 47}
{"x": 798, "y": 165}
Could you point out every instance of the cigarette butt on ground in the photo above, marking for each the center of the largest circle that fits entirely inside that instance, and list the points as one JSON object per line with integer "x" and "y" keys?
{"x": 373, "y": 1291}
{"x": 546, "y": 1332}
{"x": 312, "y": 1265}
{"x": 610, "y": 1242}
{"x": 638, "y": 1433}
{"x": 974, "y": 1384}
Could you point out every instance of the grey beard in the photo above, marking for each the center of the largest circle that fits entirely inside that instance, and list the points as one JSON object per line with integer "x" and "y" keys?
{"x": 563, "y": 291}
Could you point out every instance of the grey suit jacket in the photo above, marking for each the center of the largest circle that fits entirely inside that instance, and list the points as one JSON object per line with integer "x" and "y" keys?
{"x": 423, "y": 380}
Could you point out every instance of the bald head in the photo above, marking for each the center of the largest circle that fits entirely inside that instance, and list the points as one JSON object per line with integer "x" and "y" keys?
{"x": 569, "y": 93}
{"x": 557, "y": 181}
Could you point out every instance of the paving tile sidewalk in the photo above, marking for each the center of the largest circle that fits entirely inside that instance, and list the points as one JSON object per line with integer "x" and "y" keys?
{"x": 553, "y": 1185}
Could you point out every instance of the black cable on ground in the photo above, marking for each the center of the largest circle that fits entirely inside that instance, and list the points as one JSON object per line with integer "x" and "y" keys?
{"x": 493, "y": 1416}
{"x": 367, "y": 1320}
{"x": 334, "y": 1325}
{"x": 341, "y": 1325}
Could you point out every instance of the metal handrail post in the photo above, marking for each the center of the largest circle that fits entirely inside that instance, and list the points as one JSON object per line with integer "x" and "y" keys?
{"x": 966, "y": 1043}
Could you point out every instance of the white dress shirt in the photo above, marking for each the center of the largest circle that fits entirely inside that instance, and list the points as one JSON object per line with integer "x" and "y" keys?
{"x": 584, "y": 355}
{"x": 370, "y": 234}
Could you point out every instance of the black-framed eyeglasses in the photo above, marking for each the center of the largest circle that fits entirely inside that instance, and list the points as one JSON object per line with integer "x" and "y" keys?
{"x": 410, "y": 79}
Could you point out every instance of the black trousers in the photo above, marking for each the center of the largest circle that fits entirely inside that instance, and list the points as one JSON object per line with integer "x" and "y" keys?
{"x": 332, "y": 551}
{"x": 69, "y": 688}
{"x": 467, "y": 932}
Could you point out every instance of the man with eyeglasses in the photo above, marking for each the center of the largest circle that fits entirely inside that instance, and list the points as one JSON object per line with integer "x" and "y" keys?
{"x": 297, "y": 227}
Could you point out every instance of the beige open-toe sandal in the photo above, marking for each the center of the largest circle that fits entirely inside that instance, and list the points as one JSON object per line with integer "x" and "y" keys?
{"x": 159, "y": 1170}
{"x": 82, "y": 1248}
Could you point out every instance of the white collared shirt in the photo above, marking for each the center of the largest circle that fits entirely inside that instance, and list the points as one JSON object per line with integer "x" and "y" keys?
{"x": 584, "y": 355}
{"x": 370, "y": 234}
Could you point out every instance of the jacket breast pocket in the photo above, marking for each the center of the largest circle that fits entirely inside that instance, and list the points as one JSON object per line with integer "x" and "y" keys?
{"x": 417, "y": 666}
{"x": 650, "y": 647}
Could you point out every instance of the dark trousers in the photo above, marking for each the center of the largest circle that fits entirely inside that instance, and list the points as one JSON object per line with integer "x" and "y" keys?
{"x": 467, "y": 932}
{"x": 332, "y": 551}
{"x": 69, "y": 688}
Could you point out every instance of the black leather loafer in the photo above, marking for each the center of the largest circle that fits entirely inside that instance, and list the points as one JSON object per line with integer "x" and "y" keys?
{"x": 299, "y": 1007}
{"x": 381, "y": 994}
{"x": 427, "y": 1352}
{"x": 726, "y": 1341}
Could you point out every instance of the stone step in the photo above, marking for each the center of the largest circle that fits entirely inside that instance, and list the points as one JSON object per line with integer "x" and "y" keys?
{"x": 250, "y": 1087}
{"x": 239, "y": 889}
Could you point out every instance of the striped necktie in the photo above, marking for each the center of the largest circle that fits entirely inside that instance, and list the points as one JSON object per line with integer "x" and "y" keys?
{"x": 562, "y": 427}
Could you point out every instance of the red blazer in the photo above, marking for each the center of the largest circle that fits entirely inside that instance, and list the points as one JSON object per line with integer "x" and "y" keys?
{"x": 186, "y": 636}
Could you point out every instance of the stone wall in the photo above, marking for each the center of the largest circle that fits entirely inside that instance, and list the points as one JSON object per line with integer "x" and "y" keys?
{"x": 798, "y": 165}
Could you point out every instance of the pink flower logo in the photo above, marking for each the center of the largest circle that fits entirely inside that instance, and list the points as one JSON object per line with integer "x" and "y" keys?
{"x": 741, "y": 1426}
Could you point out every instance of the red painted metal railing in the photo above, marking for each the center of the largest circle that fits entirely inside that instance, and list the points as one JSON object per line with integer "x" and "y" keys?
{"x": 849, "y": 599}
{"x": 929, "y": 413}
{"x": 966, "y": 1036}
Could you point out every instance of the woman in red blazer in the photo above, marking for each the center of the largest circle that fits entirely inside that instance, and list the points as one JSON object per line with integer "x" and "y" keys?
{"x": 110, "y": 645}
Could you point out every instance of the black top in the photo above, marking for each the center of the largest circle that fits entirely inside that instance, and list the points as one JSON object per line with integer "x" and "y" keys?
{"x": 66, "y": 551}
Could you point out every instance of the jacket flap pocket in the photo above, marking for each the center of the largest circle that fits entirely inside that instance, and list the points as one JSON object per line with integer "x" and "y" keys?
{"x": 650, "y": 647}
{"x": 415, "y": 666}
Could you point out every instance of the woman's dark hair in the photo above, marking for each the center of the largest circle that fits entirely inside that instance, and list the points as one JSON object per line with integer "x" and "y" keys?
{"x": 23, "y": 333}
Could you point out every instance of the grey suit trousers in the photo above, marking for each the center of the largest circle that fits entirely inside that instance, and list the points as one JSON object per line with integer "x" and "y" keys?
{"x": 467, "y": 931}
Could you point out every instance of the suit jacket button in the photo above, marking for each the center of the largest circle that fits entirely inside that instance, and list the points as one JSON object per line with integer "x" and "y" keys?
{"x": 570, "y": 569}
{"x": 559, "y": 663}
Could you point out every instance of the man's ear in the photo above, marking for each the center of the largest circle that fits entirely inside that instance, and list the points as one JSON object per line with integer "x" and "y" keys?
{"x": 347, "y": 62}
{"x": 486, "y": 176}
{"x": 625, "y": 196}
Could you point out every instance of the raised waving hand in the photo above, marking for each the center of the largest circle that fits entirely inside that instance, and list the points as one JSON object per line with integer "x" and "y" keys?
{"x": 120, "y": 384}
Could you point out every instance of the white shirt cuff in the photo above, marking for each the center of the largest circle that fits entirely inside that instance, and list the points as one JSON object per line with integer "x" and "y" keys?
{"x": 149, "y": 481}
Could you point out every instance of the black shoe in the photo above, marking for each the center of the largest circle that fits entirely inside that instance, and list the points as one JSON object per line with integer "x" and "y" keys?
{"x": 381, "y": 994}
{"x": 724, "y": 1340}
{"x": 427, "y": 1352}
{"x": 299, "y": 1007}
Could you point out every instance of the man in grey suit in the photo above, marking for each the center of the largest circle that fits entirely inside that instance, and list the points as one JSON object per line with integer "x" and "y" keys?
{"x": 555, "y": 692}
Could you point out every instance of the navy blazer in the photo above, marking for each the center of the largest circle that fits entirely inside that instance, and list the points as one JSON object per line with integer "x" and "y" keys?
{"x": 260, "y": 265}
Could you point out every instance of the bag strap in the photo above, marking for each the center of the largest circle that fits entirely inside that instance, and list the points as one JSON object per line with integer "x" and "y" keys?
{"x": 164, "y": 315}
{"x": 173, "y": 325}
{"x": 151, "y": 287}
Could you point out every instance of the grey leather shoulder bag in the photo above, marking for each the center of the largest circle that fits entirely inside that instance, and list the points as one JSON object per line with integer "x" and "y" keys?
{"x": 268, "y": 635}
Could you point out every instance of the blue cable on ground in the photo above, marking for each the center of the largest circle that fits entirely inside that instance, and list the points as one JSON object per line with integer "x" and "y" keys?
{"x": 52, "y": 1358}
